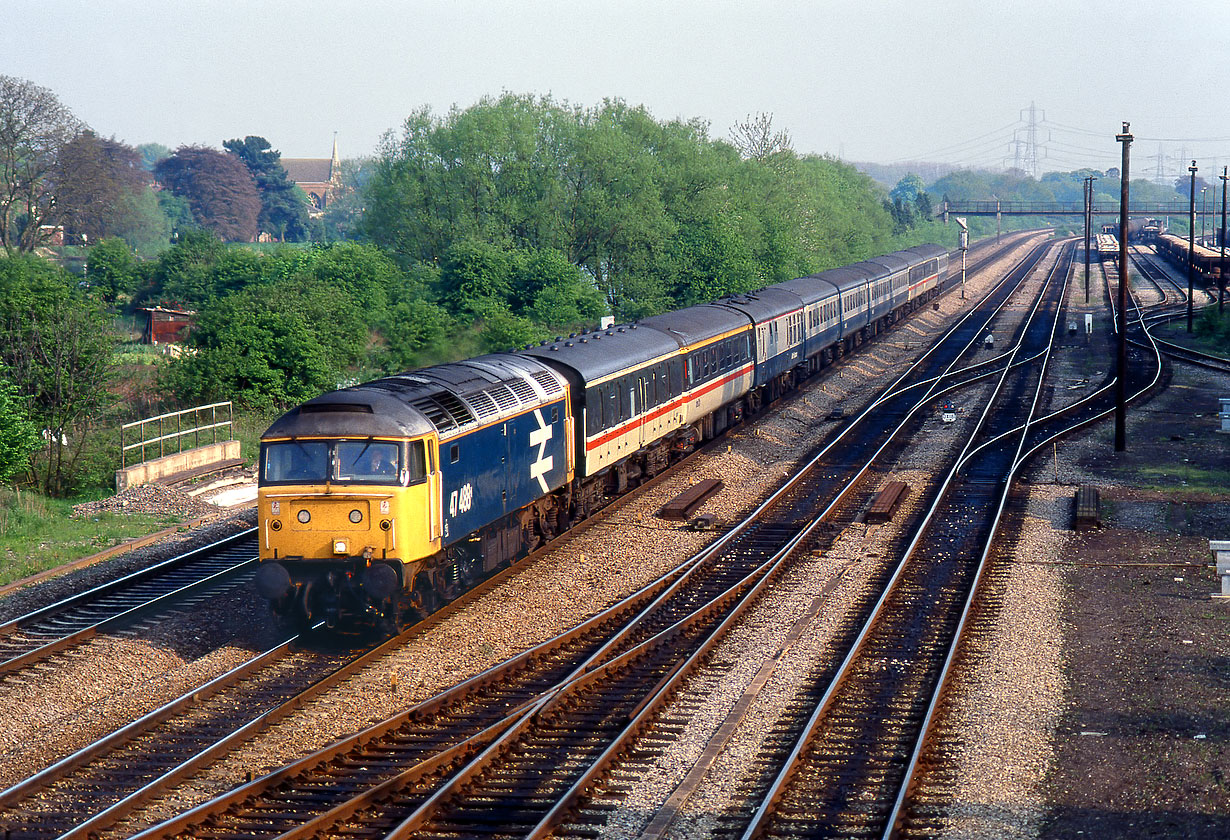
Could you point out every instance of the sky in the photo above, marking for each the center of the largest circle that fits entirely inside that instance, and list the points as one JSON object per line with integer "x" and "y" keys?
{"x": 866, "y": 80}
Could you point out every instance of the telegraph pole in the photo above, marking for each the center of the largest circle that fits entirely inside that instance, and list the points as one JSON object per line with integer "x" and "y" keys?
{"x": 964, "y": 241}
{"x": 1088, "y": 223}
{"x": 1191, "y": 242}
{"x": 1121, "y": 372}
{"x": 1204, "y": 210}
{"x": 1221, "y": 275}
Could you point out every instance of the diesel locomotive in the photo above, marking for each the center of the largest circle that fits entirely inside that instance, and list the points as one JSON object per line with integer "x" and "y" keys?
{"x": 382, "y": 501}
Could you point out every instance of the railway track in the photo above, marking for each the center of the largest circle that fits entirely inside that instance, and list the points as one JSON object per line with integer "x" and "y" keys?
{"x": 1173, "y": 307}
{"x": 290, "y": 675}
{"x": 180, "y": 581}
{"x": 849, "y": 769}
{"x": 702, "y": 595}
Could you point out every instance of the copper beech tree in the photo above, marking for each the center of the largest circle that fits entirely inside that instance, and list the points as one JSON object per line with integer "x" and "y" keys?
{"x": 218, "y": 188}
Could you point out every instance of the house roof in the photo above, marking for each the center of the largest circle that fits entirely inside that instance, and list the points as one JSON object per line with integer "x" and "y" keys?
{"x": 308, "y": 170}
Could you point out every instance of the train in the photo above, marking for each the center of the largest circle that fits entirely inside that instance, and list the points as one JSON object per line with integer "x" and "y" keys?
{"x": 379, "y": 502}
{"x": 1206, "y": 262}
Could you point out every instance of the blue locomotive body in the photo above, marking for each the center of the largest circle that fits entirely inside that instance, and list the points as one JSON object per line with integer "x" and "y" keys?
{"x": 492, "y": 471}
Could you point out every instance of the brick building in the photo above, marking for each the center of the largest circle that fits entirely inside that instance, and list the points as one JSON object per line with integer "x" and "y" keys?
{"x": 320, "y": 178}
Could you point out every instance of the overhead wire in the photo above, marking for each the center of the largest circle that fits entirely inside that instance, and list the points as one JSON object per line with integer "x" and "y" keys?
{"x": 987, "y": 149}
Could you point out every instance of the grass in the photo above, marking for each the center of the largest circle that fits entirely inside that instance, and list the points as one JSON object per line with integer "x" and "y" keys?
{"x": 1187, "y": 477}
{"x": 38, "y": 533}
{"x": 248, "y": 429}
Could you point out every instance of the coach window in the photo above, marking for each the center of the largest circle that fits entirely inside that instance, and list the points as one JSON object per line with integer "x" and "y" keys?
{"x": 593, "y": 411}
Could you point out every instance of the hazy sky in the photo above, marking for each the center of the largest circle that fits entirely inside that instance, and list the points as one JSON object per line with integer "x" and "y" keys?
{"x": 878, "y": 80}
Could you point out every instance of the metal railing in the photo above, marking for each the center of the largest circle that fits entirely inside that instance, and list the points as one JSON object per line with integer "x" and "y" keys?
{"x": 175, "y": 420}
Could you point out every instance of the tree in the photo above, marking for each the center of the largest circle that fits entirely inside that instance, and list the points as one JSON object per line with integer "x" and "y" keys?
{"x": 270, "y": 346}
{"x": 344, "y": 213}
{"x": 284, "y": 207}
{"x": 19, "y": 437}
{"x": 56, "y": 347}
{"x": 711, "y": 260}
{"x": 98, "y": 182}
{"x": 184, "y": 275}
{"x": 363, "y": 271}
{"x": 756, "y": 140}
{"x": 908, "y": 189}
{"x": 143, "y": 223}
{"x": 111, "y": 269}
{"x": 34, "y": 128}
{"x": 413, "y": 328}
{"x": 502, "y": 330}
{"x": 475, "y": 277}
{"x": 151, "y": 153}
{"x": 647, "y": 210}
{"x": 218, "y": 188}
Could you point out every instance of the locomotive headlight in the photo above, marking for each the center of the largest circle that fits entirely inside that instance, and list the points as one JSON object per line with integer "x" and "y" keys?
{"x": 340, "y": 547}
{"x": 304, "y": 517}
{"x": 356, "y": 516}
{"x": 385, "y": 524}
{"x": 275, "y": 524}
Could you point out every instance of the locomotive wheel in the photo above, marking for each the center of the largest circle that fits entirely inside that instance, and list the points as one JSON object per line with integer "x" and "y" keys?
{"x": 424, "y": 600}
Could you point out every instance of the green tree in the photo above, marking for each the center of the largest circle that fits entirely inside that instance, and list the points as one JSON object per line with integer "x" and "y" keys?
{"x": 361, "y": 270}
{"x": 185, "y": 273}
{"x": 111, "y": 269}
{"x": 270, "y": 346}
{"x": 343, "y": 215}
{"x": 475, "y": 277}
{"x": 653, "y": 213}
{"x": 56, "y": 347}
{"x": 151, "y": 153}
{"x": 568, "y": 305}
{"x": 502, "y": 330}
{"x": 284, "y": 207}
{"x": 712, "y": 260}
{"x": 19, "y": 438}
{"x": 142, "y": 221}
{"x": 414, "y": 330}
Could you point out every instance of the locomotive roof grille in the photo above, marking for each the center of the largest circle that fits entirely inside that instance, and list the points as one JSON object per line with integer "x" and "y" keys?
{"x": 548, "y": 382}
{"x": 435, "y": 413}
{"x": 504, "y": 397}
{"x": 523, "y": 390}
{"x": 483, "y": 404}
{"x": 445, "y": 411}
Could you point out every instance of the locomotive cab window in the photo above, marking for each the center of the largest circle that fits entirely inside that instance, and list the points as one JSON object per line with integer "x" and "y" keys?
{"x": 295, "y": 461}
{"x": 365, "y": 461}
{"x": 369, "y": 461}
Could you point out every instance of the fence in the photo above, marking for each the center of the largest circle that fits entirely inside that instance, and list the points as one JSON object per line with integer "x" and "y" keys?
{"x": 176, "y": 420}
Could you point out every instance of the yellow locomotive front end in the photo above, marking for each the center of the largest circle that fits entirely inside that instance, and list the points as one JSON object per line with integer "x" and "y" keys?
{"x": 344, "y": 524}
